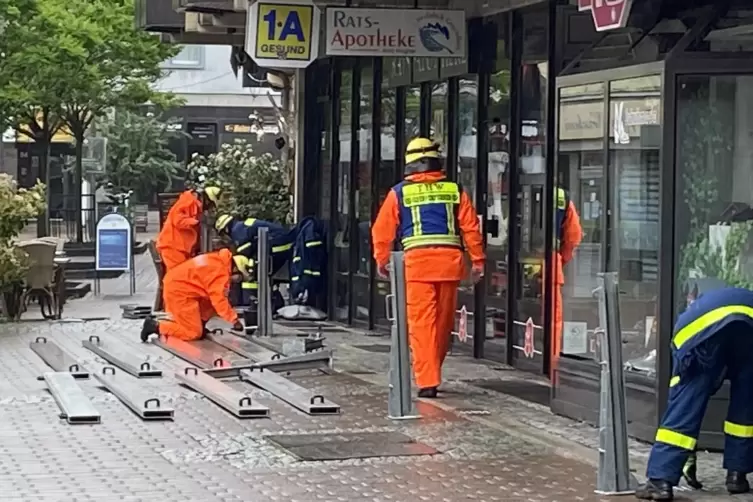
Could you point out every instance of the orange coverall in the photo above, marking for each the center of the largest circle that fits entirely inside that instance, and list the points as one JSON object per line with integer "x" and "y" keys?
{"x": 180, "y": 233}
{"x": 194, "y": 292}
{"x": 572, "y": 234}
{"x": 432, "y": 275}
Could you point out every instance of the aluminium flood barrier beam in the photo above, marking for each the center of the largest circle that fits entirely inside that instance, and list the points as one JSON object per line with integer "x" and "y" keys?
{"x": 58, "y": 359}
{"x": 221, "y": 394}
{"x": 146, "y": 407}
{"x": 74, "y": 406}
{"x": 290, "y": 392}
{"x": 316, "y": 361}
{"x": 121, "y": 358}
{"x": 264, "y": 281}
{"x": 199, "y": 353}
{"x": 242, "y": 346}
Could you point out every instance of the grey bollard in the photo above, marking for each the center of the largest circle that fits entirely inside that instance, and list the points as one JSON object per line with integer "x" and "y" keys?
{"x": 400, "y": 402}
{"x": 264, "y": 286}
{"x": 614, "y": 476}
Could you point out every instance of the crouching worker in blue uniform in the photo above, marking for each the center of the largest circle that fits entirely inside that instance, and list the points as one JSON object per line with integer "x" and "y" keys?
{"x": 244, "y": 236}
{"x": 712, "y": 341}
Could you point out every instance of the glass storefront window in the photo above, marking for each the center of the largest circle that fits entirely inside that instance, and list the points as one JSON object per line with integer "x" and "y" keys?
{"x": 714, "y": 173}
{"x": 412, "y": 112}
{"x": 581, "y": 172}
{"x": 361, "y": 277}
{"x": 634, "y": 167}
{"x": 343, "y": 230}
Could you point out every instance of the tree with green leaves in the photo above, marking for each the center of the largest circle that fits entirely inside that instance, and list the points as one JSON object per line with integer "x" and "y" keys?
{"x": 138, "y": 154}
{"x": 31, "y": 85}
{"x": 115, "y": 67}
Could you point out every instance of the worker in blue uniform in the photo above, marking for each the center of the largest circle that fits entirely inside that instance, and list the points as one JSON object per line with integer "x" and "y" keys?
{"x": 712, "y": 341}
{"x": 244, "y": 235}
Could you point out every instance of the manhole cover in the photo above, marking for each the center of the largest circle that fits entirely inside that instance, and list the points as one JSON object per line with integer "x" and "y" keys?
{"x": 528, "y": 391}
{"x": 381, "y": 349}
{"x": 310, "y": 447}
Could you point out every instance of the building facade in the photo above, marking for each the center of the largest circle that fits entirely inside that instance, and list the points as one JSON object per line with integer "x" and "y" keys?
{"x": 644, "y": 125}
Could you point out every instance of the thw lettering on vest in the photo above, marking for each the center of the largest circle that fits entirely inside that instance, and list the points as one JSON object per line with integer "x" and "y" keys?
{"x": 419, "y": 194}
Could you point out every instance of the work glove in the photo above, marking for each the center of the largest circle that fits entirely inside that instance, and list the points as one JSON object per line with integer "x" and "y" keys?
{"x": 238, "y": 326}
{"x": 383, "y": 271}
{"x": 477, "y": 273}
{"x": 689, "y": 472}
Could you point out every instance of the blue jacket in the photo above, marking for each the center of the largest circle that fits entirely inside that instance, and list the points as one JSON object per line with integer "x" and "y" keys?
{"x": 244, "y": 234}
{"x": 708, "y": 316}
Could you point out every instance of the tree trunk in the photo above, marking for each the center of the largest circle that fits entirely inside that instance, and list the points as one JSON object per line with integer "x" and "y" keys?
{"x": 43, "y": 221}
{"x": 78, "y": 180}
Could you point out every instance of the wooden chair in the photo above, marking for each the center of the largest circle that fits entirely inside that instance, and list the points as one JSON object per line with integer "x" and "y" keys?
{"x": 41, "y": 277}
{"x": 157, "y": 260}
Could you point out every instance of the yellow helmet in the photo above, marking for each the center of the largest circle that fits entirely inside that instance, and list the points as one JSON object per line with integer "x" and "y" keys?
{"x": 222, "y": 222}
{"x": 212, "y": 193}
{"x": 420, "y": 149}
{"x": 243, "y": 264}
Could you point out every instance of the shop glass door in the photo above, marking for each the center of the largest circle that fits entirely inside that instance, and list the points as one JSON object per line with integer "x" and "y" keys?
{"x": 343, "y": 231}
{"x": 363, "y": 271}
{"x": 497, "y": 201}
{"x": 528, "y": 315}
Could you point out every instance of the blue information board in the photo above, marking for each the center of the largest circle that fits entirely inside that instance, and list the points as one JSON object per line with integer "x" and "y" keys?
{"x": 113, "y": 243}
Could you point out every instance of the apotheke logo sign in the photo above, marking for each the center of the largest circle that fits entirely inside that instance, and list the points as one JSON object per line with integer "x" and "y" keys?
{"x": 607, "y": 14}
{"x": 406, "y": 32}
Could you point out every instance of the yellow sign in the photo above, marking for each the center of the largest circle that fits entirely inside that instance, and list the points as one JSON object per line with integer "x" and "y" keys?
{"x": 286, "y": 34}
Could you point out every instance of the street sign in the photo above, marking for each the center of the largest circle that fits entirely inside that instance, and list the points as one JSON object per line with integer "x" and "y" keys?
{"x": 528, "y": 342}
{"x": 283, "y": 34}
{"x": 607, "y": 14}
{"x": 113, "y": 243}
{"x": 463, "y": 324}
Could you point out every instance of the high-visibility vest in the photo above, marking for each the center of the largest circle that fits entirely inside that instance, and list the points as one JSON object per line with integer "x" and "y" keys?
{"x": 562, "y": 201}
{"x": 428, "y": 214}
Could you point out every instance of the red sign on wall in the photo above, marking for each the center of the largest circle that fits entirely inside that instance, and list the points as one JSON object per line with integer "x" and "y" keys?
{"x": 607, "y": 14}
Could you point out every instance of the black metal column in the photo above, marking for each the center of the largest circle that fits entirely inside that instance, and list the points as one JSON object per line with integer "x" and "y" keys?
{"x": 482, "y": 185}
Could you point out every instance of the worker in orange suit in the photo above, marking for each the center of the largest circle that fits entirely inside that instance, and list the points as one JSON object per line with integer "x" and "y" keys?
{"x": 178, "y": 240}
{"x": 568, "y": 235}
{"x": 432, "y": 217}
{"x": 195, "y": 291}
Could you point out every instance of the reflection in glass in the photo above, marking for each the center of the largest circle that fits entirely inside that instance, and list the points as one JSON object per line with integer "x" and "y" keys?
{"x": 634, "y": 147}
{"x": 362, "y": 289}
{"x": 385, "y": 177}
{"x": 582, "y": 173}
{"x": 714, "y": 175}
{"x": 438, "y": 128}
{"x": 412, "y": 112}
{"x": 343, "y": 230}
{"x": 466, "y": 170}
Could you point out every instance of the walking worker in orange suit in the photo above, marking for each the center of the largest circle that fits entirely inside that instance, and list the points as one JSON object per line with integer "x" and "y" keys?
{"x": 195, "y": 291}
{"x": 432, "y": 218}
{"x": 179, "y": 237}
{"x": 568, "y": 235}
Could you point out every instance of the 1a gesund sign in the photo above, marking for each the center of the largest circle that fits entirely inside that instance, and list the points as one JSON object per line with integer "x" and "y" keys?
{"x": 396, "y": 32}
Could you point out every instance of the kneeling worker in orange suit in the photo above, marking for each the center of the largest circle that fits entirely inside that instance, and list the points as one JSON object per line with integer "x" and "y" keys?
{"x": 178, "y": 239}
{"x": 432, "y": 217}
{"x": 195, "y": 291}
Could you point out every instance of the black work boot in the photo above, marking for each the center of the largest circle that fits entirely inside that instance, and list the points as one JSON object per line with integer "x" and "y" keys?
{"x": 150, "y": 327}
{"x": 428, "y": 392}
{"x": 655, "y": 489}
{"x": 737, "y": 482}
